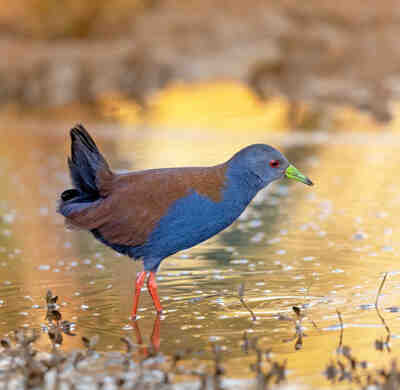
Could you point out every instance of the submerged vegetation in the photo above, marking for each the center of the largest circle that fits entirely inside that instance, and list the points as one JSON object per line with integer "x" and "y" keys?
{"x": 141, "y": 367}
{"x": 23, "y": 366}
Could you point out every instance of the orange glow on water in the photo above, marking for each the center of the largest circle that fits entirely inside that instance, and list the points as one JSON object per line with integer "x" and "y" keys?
{"x": 220, "y": 105}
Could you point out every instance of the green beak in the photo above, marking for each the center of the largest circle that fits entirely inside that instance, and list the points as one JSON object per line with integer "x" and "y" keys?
{"x": 293, "y": 173}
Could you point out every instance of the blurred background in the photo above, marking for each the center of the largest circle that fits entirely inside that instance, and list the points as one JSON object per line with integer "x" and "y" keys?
{"x": 169, "y": 83}
{"x": 322, "y": 60}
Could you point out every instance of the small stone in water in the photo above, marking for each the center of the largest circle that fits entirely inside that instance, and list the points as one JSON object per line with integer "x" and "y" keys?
{"x": 388, "y": 231}
{"x": 44, "y": 211}
{"x": 9, "y": 218}
{"x": 239, "y": 261}
{"x": 367, "y": 306}
{"x": 382, "y": 214}
{"x": 282, "y": 190}
{"x": 218, "y": 277}
{"x": 360, "y": 236}
{"x": 255, "y": 223}
{"x": 6, "y": 232}
{"x": 127, "y": 327}
{"x": 257, "y": 237}
{"x": 393, "y": 309}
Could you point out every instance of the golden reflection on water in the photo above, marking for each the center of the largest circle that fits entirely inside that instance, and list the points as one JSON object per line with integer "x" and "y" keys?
{"x": 223, "y": 105}
{"x": 325, "y": 246}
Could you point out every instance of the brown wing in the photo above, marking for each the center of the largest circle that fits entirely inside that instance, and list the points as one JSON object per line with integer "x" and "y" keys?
{"x": 137, "y": 201}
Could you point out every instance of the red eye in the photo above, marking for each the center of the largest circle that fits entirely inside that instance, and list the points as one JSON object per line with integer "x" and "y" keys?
{"x": 274, "y": 163}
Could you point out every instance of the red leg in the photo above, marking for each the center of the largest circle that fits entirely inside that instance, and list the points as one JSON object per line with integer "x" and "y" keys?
{"x": 155, "y": 336}
{"x": 139, "y": 340}
{"x": 141, "y": 276}
{"x": 152, "y": 287}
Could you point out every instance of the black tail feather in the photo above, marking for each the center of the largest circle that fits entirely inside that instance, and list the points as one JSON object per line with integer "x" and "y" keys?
{"x": 86, "y": 162}
{"x": 90, "y": 174}
{"x": 70, "y": 194}
{"x": 79, "y": 132}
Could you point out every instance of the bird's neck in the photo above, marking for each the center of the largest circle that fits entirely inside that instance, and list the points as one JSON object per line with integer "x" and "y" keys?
{"x": 242, "y": 186}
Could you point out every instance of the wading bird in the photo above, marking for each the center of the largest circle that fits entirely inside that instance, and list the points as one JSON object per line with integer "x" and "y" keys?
{"x": 155, "y": 213}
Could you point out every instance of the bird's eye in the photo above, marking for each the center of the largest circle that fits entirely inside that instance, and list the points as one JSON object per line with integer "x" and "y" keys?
{"x": 274, "y": 163}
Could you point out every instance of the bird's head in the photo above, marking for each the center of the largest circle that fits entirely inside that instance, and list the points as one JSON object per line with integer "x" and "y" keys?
{"x": 267, "y": 164}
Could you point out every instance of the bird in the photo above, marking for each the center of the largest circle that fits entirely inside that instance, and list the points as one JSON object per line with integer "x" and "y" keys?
{"x": 152, "y": 214}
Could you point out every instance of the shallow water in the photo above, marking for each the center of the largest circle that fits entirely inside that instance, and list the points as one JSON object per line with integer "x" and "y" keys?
{"x": 325, "y": 247}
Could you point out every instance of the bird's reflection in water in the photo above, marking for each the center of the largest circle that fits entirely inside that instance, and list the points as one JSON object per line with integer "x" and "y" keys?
{"x": 148, "y": 349}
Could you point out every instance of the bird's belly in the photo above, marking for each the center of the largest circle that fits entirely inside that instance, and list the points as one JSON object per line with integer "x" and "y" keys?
{"x": 190, "y": 221}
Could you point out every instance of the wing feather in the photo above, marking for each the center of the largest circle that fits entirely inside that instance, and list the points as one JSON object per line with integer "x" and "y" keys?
{"x": 137, "y": 201}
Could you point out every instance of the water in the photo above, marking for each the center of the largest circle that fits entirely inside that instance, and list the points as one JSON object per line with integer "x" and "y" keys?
{"x": 323, "y": 248}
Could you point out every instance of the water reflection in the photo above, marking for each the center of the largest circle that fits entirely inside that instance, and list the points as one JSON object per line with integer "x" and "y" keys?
{"x": 322, "y": 249}
{"x": 151, "y": 348}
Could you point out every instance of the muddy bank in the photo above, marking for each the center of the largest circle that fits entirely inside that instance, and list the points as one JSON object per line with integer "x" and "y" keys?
{"x": 340, "y": 54}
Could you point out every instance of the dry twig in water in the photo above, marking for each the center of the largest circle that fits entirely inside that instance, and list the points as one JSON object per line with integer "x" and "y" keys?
{"x": 242, "y": 301}
{"x": 339, "y": 348}
{"x": 380, "y": 344}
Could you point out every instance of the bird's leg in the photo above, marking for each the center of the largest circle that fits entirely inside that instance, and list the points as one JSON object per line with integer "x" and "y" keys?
{"x": 152, "y": 287}
{"x": 139, "y": 340}
{"x": 141, "y": 276}
{"x": 155, "y": 336}
{"x": 142, "y": 347}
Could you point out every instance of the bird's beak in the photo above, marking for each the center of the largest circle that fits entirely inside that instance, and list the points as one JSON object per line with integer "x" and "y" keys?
{"x": 293, "y": 173}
